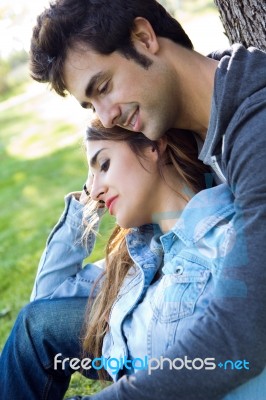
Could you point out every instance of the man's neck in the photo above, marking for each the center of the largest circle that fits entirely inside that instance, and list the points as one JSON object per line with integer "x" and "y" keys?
{"x": 195, "y": 77}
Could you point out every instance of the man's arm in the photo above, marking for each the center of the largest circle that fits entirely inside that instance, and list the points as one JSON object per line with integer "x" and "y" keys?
{"x": 234, "y": 324}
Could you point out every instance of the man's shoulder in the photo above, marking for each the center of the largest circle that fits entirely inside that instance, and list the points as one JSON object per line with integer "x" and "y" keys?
{"x": 237, "y": 51}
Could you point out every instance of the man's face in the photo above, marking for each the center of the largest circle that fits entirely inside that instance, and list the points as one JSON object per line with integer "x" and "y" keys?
{"x": 122, "y": 92}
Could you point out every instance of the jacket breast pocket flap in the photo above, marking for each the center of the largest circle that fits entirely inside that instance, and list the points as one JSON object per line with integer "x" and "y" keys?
{"x": 177, "y": 294}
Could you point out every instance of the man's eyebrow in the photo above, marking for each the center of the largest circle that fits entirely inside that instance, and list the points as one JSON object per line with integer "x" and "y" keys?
{"x": 94, "y": 158}
{"x": 93, "y": 82}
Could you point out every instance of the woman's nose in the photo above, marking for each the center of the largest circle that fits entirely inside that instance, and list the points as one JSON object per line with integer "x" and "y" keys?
{"x": 98, "y": 191}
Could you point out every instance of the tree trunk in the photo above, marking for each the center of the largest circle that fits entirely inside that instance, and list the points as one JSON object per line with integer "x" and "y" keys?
{"x": 244, "y": 21}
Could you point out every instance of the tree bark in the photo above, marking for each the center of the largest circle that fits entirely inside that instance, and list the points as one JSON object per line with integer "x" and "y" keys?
{"x": 244, "y": 21}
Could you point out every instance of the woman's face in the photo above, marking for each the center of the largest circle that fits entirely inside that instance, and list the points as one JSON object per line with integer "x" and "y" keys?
{"x": 126, "y": 183}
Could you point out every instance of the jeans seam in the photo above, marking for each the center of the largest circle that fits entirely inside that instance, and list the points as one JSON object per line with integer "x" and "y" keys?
{"x": 47, "y": 388}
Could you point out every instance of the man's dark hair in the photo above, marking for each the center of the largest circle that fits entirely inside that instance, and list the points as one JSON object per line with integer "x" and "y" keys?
{"x": 104, "y": 25}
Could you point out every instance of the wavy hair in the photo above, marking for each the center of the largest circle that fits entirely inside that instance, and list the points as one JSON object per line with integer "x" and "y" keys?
{"x": 102, "y": 25}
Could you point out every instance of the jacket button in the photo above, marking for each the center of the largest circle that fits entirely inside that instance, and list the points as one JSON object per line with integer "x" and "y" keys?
{"x": 179, "y": 270}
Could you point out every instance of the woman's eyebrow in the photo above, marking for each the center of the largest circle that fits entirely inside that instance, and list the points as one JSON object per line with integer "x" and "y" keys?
{"x": 94, "y": 158}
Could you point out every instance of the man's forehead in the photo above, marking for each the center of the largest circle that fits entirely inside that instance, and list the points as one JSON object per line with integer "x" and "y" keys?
{"x": 80, "y": 66}
{"x": 77, "y": 69}
{"x": 83, "y": 56}
{"x": 78, "y": 58}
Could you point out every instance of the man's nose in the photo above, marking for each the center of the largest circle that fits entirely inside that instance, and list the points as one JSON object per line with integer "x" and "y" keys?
{"x": 108, "y": 114}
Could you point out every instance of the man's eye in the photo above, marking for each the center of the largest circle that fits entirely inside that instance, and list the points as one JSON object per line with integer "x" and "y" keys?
{"x": 103, "y": 88}
{"x": 105, "y": 166}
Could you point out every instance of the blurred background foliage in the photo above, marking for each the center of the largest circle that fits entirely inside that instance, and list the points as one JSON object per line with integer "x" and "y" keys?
{"x": 13, "y": 75}
{"x": 41, "y": 152}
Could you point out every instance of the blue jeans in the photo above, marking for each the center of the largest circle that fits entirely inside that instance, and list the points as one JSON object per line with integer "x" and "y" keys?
{"x": 42, "y": 329}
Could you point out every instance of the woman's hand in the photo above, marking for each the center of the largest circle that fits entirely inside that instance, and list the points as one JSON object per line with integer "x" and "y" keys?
{"x": 85, "y": 194}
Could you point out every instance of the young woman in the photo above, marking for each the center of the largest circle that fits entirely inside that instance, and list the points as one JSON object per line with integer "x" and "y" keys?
{"x": 167, "y": 252}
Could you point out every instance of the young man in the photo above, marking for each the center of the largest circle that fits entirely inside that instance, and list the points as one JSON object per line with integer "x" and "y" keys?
{"x": 135, "y": 66}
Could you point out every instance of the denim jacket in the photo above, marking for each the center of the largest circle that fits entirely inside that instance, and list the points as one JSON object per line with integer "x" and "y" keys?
{"x": 60, "y": 272}
{"x": 189, "y": 259}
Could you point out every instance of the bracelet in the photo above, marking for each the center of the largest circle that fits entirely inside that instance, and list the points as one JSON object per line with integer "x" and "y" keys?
{"x": 86, "y": 189}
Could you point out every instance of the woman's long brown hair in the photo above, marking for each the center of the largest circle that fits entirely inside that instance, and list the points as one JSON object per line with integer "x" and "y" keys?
{"x": 182, "y": 153}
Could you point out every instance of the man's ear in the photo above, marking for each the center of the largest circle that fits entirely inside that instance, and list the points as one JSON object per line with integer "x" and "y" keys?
{"x": 144, "y": 35}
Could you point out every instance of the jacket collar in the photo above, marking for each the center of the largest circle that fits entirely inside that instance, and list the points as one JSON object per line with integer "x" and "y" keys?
{"x": 205, "y": 210}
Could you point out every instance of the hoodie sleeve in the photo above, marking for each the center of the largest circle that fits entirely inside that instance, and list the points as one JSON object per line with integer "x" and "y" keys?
{"x": 233, "y": 328}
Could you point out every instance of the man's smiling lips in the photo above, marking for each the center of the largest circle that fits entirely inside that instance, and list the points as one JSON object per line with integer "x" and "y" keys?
{"x": 133, "y": 121}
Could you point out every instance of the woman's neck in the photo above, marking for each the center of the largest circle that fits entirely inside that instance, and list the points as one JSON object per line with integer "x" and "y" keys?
{"x": 172, "y": 212}
{"x": 172, "y": 198}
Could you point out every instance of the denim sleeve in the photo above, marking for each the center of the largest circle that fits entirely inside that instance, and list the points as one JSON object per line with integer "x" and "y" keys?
{"x": 233, "y": 326}
{"x": 60, "y": 272}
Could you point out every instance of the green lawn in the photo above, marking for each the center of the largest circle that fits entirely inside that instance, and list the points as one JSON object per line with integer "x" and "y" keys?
{"x": 39, "y": 165}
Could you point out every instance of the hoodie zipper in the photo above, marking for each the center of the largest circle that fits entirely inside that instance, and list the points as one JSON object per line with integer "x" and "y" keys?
{"x": 217, "y": 169}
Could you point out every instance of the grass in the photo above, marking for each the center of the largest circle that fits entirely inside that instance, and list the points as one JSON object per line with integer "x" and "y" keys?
{"x": 39, "y": 165}
{"x": 14, "y": 91}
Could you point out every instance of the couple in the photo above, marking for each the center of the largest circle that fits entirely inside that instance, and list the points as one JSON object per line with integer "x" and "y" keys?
{"x": 164, "y": 260}
{"x": 134, "y": 64}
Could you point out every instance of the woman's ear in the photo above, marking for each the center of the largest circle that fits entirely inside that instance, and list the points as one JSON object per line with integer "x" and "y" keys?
{"x": 143, "y": 35}
{"x": 156, "y": 152}
{"x": 162, "y": 144}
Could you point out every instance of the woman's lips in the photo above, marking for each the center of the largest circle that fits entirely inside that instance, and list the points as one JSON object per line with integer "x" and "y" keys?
{"x": 110, "y": 202}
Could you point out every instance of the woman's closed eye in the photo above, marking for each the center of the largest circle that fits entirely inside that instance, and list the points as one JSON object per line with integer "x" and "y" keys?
{"x": 105, "y": 166}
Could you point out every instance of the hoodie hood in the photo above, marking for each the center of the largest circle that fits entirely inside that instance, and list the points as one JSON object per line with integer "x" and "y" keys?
{"x": 240, "y": 74}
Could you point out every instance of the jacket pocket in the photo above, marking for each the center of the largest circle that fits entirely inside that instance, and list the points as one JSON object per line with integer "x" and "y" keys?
{"x": 177, "y": 294}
